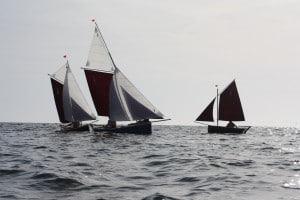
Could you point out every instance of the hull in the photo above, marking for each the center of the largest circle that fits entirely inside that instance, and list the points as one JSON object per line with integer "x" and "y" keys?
{"x": 222, "y": 129}
{"x": 70, "y": 128}
{"x": 142, "y": 128}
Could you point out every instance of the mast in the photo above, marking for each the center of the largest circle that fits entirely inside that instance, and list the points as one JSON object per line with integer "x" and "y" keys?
{"x": 113, "y": 94}
{"x": 75, "y": 105}
{"x": 217, "y": 105}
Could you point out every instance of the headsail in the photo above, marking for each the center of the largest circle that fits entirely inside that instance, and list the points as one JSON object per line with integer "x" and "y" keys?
{"x": 207, "y": 114}
{"x": 99, "y": 84}
{"x": 75, "y": 105}
{"x": 127, "y": 103}
{"x": 230, "y": 107}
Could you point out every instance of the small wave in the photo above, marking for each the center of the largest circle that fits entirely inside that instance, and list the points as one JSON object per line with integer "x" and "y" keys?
{"x": 217, "y": 166}
{"x": 9, "y": 196}
{"x": 188, "y": 179}
{"x": 64, "y": 182}
{"x": 158, "y": 196}
{"x": 157, "y": 163}
{"x": 140, "y": 177}
{"x": 4, "y": 172}
{"x": 44, "y": 176}
{"x": 56, "y": 183}
{"x": 130, "y": 188}
{"x": 240, "y": 163}
{"x": 153, "y": 156}
{"x": 80, "y": 165}
{"x": 40, "y": 147}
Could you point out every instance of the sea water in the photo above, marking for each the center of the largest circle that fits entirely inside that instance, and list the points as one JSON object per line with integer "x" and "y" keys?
{"x": 37, "y": 161}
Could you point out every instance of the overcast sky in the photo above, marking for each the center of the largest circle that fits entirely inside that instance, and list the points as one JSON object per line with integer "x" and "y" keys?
{"x": 174, "y": 51}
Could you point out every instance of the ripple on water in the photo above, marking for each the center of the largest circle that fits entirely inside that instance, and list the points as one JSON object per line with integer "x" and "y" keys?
{"x": 294, "y": 183}
{"x": 4, "y": 172}
{"x": 158, "y": 196}
{"x": 54, "y": 182}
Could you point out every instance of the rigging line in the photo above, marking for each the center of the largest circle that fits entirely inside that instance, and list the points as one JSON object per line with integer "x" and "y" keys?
{"x": 98, "y": 29}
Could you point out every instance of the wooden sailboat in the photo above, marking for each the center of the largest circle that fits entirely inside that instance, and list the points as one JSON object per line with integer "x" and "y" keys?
{"x": 229, "y": 108}
{"x": 72, "y": 108}
{"x": 114, "y": 96}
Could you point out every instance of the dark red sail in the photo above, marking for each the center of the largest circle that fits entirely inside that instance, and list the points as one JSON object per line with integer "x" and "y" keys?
{"x": 57, "y": 88}
{"x": 207, "y": 114}
{"x": 99, "y": 83}
{"x": 230, "y": 107}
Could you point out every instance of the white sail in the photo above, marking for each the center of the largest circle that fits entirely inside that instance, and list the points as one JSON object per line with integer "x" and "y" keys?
{"x": 127, "y": 103}
{"x": 75, "y": 105}
{"x": 60, "y": 74}
{"x": 99, "y": 57}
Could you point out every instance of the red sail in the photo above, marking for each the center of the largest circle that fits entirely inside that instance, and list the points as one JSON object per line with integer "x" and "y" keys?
{"x": 230, "y": 107}
{"x": 99, "y": 83}
{"x": 57, "y": 88}
{"x": 207, "y": 114}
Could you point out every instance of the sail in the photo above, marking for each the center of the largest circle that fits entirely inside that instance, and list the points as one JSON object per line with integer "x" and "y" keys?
{"x": 99, "y": 84}
{"x": 99, "y": 57}
{"x": 207, "y": 114}
{"x": 113, "y": 94}
{"x": 75, "y": 105}
{"x": 57, "y": 88}
{"x": 57, "y": 82}
{"x": 230, "y": 107}
{"x": 127, "y": 103}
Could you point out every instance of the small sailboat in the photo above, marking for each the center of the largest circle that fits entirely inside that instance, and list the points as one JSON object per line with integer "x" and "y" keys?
{"x": 229, "y": 108}
{"x": 114, "y": 96}
{"x": 72, "y": 108}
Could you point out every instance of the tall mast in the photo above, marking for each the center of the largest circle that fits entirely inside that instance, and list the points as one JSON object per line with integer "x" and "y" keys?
{"x": 217, "y": 105}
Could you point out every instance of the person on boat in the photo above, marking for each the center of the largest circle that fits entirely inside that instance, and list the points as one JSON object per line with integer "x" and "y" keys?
{"x": 111, "y": 124}
{"x": 76, "y": 124}
{"x": 231, "y": 125}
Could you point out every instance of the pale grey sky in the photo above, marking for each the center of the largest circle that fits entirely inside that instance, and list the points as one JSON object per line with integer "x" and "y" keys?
{"x": 174, "y": 51}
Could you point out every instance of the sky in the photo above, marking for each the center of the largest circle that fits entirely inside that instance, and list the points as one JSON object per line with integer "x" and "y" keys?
{"x": 174, "y": 51}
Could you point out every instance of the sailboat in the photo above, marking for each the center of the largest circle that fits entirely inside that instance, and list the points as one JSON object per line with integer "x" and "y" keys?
{"x": 72, "y": 108}
{"x": 114, "y": 96}
{"x": 229, "y": 108}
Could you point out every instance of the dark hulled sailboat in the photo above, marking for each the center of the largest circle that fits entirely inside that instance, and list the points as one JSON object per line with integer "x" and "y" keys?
{"x": 114, "y": 96}
{"x": 229, "y": 108}
{"x": 71, "y": 105}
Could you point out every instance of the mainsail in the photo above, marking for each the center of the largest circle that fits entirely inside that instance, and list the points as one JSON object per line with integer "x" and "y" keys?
{"x": 70, "y": 102}
{"x": 230, "y": 107}
{"x": 57, "y": 82}
{"x": 99, "y": 84}
{"x": 113, "y": 94}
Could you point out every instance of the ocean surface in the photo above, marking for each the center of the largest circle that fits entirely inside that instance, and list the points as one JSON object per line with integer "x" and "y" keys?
{"x": 37, "y": 161}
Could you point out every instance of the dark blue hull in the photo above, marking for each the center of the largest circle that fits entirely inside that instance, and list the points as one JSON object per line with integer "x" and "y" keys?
{"x": 135, "y": 128}
{"x": 70, "y": 128}
{"x": 222, "y": 129}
